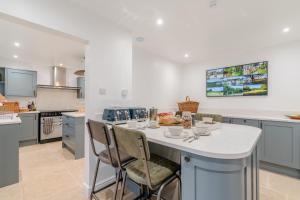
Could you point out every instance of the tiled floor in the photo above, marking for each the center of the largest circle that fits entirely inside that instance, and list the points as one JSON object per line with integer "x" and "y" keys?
{"x": 49, "y": 172}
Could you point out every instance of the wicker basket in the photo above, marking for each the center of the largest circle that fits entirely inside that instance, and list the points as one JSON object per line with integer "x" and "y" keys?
{"x": 12, "y": 106}
{"x": 188, "y": 105}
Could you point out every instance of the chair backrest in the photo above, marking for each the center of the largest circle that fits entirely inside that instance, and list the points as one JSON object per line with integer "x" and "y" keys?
{"x": 217, "y": 118}
{"x": 99, "y": 132}
{"x": 132, "y": 142}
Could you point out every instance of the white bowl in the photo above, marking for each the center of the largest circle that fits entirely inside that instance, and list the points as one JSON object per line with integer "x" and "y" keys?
{"x": 175, "y": 130}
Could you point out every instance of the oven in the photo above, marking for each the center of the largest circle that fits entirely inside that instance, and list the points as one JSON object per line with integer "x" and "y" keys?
{"x": 50, "y": 126}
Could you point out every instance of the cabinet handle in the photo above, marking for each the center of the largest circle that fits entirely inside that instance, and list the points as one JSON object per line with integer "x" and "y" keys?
{"x": 187, "y": 159}
{"x": 34, "y": 93}
{"x": 245, "y": 120}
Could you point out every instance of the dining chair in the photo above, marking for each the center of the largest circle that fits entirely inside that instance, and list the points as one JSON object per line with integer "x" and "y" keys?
{"x": 99, "y": 132}
{"x": 150, "y": 170}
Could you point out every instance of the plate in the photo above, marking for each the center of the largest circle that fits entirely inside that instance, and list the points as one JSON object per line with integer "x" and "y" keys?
{"x": 181, "y": 136}
{"x": 211, "y": 127}
{"x": 294, "y": 117}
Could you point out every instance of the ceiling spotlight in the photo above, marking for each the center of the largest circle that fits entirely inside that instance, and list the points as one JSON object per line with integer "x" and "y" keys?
{"x": 61, "y": 64}
{"x": 286, "y": 30}
{"x": 17, "y": 44}
{"x": 159, "y": 22}
{"x": 186, "y": 55}
{"x": 15, "y": 56}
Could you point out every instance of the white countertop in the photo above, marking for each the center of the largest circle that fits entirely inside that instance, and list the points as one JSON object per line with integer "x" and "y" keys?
{"x": 30, "y": 112}
{"x": 229, "y": 142}
{"x": 74, "y": 114}
{"x": 7, "y": 120}
{"x": 254, "y": 114}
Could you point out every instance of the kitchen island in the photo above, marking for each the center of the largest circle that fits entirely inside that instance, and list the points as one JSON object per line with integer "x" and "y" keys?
{"x": 9, "y": 150}
{"x": 222, "y": 166}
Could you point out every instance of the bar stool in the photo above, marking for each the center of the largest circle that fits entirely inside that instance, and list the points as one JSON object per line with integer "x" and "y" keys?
{"x": 99, "y": 132}
{"x": 152, "y": 171}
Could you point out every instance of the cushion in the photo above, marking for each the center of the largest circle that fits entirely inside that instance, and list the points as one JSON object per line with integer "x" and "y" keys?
{"x": 105, "y": 158}
{"x": 159, "y": 168}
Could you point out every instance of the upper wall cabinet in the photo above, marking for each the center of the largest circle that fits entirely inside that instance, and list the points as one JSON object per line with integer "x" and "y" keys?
{"x": 20, "y": 83}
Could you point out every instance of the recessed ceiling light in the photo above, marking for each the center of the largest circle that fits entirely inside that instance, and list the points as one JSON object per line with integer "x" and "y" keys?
{"x": 61, "y": 64}
{"x": 159, "y": 22}
{"x": 186, "y": 55}
{"x": 17, "y": 44}
{"x": 286, "y": 30}
{"x": 15, "y": 56}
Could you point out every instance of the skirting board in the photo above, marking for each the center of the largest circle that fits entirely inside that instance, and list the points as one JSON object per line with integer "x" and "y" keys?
{"x": 280, "y": 169}
{"x": 99, "y": 185}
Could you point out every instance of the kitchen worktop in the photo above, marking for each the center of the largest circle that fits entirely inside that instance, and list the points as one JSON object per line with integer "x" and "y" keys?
{"x": 254, "y": 114}
{"x": 30, "y": 112}
{"x": 7, "y": 120}
{"x": 229, "y": 142}
{"x": 74, "y": 114}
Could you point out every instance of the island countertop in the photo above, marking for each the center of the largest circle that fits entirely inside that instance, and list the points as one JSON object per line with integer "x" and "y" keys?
{"x": 230, "y": 141}
{"x": 5, "y": 120}
{"x": 74, "y": 114}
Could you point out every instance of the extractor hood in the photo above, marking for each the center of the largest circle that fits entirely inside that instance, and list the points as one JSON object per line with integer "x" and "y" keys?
{"x": 58, "y": 77}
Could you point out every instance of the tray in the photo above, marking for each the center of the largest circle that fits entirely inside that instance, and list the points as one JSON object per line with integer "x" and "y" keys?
{"x": 297, "y": 117}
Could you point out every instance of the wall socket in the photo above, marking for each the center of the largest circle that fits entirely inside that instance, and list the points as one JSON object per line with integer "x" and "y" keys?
{"x": 102, "y": 91}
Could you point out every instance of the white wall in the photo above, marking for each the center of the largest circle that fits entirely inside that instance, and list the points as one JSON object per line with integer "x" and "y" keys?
{"x": 156, "y": 81}
{"x": 108, "y": 57}
{"x": 284, "y": 81}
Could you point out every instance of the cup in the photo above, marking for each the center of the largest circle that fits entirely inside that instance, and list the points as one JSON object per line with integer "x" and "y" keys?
{"x": 176, "y": 130}
{"x": 153, "y": 124}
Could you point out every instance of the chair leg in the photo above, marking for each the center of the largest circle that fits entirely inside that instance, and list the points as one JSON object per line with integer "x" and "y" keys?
{"x": 92, "y": 195}
{"x": 162, "y": 187}
{"x": 123, "y": 185}
{"x": 179, "y": 187}
{"x": 117, "y": 184}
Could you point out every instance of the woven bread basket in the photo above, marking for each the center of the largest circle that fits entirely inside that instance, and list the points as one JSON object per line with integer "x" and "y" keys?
{"x": 188, "y": 105}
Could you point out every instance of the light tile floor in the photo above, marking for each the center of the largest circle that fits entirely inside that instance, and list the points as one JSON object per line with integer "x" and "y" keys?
{"x": 49, "y": 172}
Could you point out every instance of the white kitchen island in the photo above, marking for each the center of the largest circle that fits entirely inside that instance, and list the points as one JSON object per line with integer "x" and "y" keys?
{"x": 222, "y": 166}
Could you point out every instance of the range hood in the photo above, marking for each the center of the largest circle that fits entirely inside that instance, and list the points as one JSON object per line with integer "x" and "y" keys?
{"x": 58, "y": 77}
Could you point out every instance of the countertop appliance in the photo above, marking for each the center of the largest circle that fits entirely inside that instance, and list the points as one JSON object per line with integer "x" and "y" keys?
{"x": 119, "y": 115}
{"x": 50, "y": 125}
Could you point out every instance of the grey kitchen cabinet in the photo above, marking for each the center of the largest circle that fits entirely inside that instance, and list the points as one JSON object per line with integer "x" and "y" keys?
{"x": 73, "y": 135}
{"x": 206, "y": 178}
{"x": 29, "y": 127}
{"x": 2, "y": 81}
{"x": 9, "y": 154}
{"x": 21, "y": 83}
{"x": 81, "y": 86}
{"x": 246, "y": 122}
{"x": 281, "y": 143}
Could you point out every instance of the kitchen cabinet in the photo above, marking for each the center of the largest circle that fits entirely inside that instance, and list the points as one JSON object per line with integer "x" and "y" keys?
{"x": 246, "y": 122}
{"x": 20, "y": 83}
{"x": 205, "y": 178}
{"x": 73, "y": 135}
{"x": 2, "y": 81}
{"x": 29, "y": 127}
{"x": 281, "y": 143}
{"x": 81, "y": 86}
{"x": 9, "y": 154}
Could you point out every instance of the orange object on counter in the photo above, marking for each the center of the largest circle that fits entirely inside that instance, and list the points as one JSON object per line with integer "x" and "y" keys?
{"x": 12, "y": 106}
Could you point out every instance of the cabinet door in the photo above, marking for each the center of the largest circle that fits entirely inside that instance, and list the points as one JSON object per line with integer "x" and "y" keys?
{"x": 281, "y": 143}
{"x": 81, "y": 85}
{"x": 29, "y": 126}
{"x": 20, "y": 83}
{"x": 247, "y": 122}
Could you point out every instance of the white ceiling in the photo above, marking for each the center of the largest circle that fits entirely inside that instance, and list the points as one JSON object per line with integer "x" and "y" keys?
{"x": 191, "y": 26}
{"x": 38, "y": 46}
